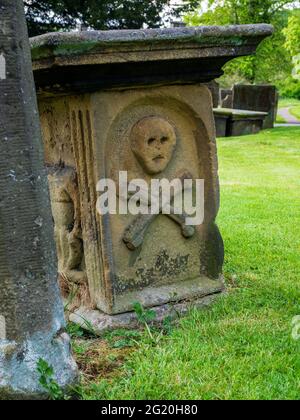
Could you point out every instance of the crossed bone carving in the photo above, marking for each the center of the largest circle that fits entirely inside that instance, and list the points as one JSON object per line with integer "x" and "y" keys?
{"x": 135, "y": 233}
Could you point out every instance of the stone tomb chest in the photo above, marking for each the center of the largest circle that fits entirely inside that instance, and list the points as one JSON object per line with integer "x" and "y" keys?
{"x": 235, "y": 122}
{"x": 108, "y": 101}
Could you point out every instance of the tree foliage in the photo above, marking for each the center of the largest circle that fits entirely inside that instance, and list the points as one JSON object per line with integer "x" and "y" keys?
{"x": 292, "y": 34}
{"x": 53, "y": 15}
{"x": 240, "y": 11}
{"x": 292, "y": 44}
{"x": 272, "y": 63}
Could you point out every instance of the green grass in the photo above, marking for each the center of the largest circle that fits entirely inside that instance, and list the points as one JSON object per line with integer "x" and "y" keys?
{"x": 241, "y": 347}
{"x": 295, "y": 110}
{"x": 287, "y": 103}
{"x": 280, "y": 119}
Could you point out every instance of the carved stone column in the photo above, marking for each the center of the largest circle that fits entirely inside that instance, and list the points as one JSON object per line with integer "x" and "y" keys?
{"x": 31, "y": 313}
{"x": 134, "y": 101}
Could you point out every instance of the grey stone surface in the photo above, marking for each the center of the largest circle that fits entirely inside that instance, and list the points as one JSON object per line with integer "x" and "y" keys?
{"x": 261, "y": 98}
{"x": 32, "y": 322}
{"x": 197, "y": 34}
{"x": 101, "y": 322}
{"x": 203, "y": 35}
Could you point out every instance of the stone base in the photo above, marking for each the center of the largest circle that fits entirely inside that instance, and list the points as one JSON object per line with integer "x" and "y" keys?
{"x": 19, "y": 378}
{"x": 101, "y": 322}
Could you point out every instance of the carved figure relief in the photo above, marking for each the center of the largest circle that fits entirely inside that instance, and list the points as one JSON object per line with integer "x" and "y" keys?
{"x": 67, "y": 224}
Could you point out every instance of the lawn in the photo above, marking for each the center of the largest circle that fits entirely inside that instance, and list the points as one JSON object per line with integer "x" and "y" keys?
{"x": 242, "y": 346}
{"x": 287, "y": 103}
{"x": 295, "y": 110}
{"x": 280, "y": 119}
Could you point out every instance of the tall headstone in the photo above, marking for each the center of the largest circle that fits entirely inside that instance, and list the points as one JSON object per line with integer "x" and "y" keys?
{"x": 32, "y": 323}
{"x": 260, "y": 98}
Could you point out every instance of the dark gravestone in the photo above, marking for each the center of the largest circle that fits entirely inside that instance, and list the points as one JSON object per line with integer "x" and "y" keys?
{"x": 222, "y": 118}
{"x": 261, "y": 98}
{"x": 31, "y": 313}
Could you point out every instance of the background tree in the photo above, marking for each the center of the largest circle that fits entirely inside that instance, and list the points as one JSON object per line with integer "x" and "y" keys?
{"x": 292, "y": 34}
{"x": 53, "y": 15}
{"x": 272, "y": 63}
{"x": 292, "y": 44}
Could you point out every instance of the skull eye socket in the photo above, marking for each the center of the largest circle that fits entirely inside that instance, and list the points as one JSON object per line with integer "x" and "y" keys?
{"x": 164, "y": 140}
{"x": 151, "y": 141}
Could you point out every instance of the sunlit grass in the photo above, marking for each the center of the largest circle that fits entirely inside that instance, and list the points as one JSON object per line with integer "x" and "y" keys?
{"x": 295, "y": 110}
{"x": 287, "y": 103}
{"x": 240, "y": 348}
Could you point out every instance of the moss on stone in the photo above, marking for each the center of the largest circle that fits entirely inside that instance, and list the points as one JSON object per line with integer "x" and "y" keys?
{"x": 70, "y": 44}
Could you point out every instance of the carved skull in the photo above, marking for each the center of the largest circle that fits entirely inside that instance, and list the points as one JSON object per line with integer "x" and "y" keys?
{"x": 153, "y": 141}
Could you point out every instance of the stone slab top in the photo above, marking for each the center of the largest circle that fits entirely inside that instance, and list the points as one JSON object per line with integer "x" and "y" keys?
{"x": 176, "y": 55}
{"x": 102, "y": 46}
{"x": 238, "y": 113}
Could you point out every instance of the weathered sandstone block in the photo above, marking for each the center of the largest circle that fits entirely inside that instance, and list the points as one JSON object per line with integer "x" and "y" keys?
{"x": 134, "y": 101}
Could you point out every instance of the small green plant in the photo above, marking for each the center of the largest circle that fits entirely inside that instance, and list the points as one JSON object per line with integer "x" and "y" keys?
{"x": 174, "y": 300}
{"x": 74, "y": 330}
{"x": 89, "y": 328}
{"x": 145, "y": 316}
{"x": 167, "y": 325}
{"x": 80, "y": 331}
{"x": 79, "y": 348}
{"x": 119, "y": 339}
{"x": 47, "y": 382}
